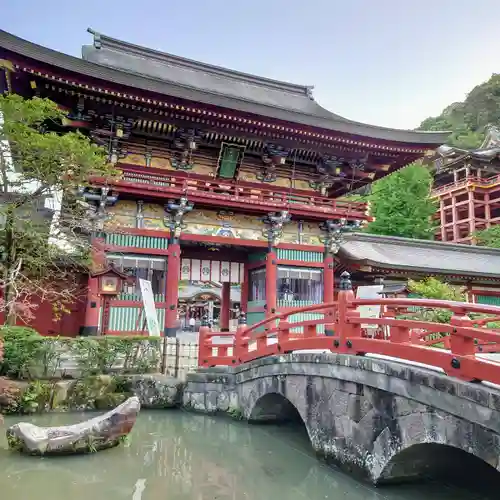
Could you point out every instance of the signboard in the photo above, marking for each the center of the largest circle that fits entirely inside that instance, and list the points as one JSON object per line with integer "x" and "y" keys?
{"x": 148, "y": 301}
{"x": 369, "y": 292}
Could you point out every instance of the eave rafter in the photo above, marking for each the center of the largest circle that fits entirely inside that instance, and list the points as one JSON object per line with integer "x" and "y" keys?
{"x": 255, "y": 125}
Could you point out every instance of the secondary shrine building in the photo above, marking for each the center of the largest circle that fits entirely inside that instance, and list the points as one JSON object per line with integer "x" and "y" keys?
{"x": 227, "y": 198}
{"x": 467, "y": 187}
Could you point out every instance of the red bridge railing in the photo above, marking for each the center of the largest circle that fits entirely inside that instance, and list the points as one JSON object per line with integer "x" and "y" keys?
{"x": 456, "y": 347}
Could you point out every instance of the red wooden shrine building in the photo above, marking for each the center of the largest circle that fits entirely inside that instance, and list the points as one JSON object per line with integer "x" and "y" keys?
{"x": 226, "y": 178}
{"x": 467, "y": 187}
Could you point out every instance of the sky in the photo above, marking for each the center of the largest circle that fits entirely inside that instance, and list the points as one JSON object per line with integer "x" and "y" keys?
{"x": 391, "y": 63}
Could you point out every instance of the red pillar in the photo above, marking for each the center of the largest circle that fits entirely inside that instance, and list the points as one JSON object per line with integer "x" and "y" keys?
{"x": 271, "y": 282}
{"x": 92, "y": 309}
{"x": 225, "y": 307}
{"x": 244, "y": 290}
{"x": 172, "y": 289}
{"x": 328, "y": 278}
{"x": 329, "y": 287}
{"x": 94, "y": 303}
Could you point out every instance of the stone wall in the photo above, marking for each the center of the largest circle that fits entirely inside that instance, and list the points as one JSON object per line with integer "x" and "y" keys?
{"x": 98, "y": 392}
{"x": 388, "y": 421}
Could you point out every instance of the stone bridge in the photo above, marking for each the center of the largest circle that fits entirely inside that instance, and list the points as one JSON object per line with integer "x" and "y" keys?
{"x": 391, "y": 422}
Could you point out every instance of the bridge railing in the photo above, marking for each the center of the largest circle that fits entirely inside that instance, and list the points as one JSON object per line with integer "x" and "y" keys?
{"x": 397, "y": 332}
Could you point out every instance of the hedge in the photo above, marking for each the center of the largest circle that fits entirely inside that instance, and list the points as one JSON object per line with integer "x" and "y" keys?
{"x": 28, "y": 355}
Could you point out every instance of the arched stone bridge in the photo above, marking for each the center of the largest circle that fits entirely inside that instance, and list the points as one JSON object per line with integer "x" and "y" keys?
{"x": 389, "y": 421}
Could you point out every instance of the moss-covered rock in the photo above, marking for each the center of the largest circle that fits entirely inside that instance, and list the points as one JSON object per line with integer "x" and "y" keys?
{"x": 95, "y": 392}
{"x": 156, "y": 391}
{"x": 109, "y": 400}
{"x": 36, "y": 398}
{"x": 84, "y": 393}
{"x": 60, "y": 393}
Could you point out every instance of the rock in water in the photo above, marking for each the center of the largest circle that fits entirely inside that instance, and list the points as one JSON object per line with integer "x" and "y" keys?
{"x": 92, "y": 435}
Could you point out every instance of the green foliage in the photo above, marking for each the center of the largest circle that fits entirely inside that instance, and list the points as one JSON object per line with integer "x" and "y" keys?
{"x": 489, "y": 237}
{"x": 467, "y": 120}
{"x": 35, "y": 398}
{"x": 37, "y": 162}
{"x": 36, "y": 357}
{"x": 17, "y": 332}
{"x": 433, "y": 288}
{"x": 401, "y": 204}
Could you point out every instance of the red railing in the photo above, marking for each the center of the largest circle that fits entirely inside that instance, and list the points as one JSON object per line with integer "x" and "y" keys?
{"x": 453, "y": 346}
{"x": 465, "y": 181}
{"x": 230, "y": 193}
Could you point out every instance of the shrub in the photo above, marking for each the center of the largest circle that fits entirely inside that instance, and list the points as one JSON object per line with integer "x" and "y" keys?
{"x": 31, "y": 356}
{"x": 17, "y": 332}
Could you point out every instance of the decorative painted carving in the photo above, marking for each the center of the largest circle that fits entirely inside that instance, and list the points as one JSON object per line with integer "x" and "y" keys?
{"x": 148, "y": 156}
{"x": 330, "y": 171}
{"x": 176, "y": 212}
{"x": 79, "y": 113}
{"x": 225, "y": 215}
{"x": 186, "y": 140}
{"x": 335, "y": 230}
{"x": 140, "y": 214}
{"x": 96, "y": 201}
{"x": 275, "y": 222}
{"x": 274, "y": 155}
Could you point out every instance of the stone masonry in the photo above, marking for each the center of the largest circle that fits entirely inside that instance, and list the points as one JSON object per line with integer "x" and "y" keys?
{"x": 379, "y": 418}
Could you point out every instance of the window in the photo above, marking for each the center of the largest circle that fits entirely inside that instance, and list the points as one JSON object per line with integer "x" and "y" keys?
{"x": 300, "y": 284}
{"x": 257, "y": 283}
{"x": 147, "y": 268}
{"x": 230, "y": 158}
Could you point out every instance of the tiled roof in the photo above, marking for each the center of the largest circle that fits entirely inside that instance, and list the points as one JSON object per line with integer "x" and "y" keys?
{"x": 421, "y": 256}
{"x": 126, "y": 64}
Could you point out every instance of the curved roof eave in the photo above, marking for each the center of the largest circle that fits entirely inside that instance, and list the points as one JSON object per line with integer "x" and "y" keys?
{"x": 100, "y": 72}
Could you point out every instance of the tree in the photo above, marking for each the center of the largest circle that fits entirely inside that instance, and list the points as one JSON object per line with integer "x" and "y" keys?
{"x": 433, "y": 288}
{"x": 39, "y": 161}
{"x": 401, "y": 204}
{"x": 489, "y": 237}
{"x": 467, "y": 120}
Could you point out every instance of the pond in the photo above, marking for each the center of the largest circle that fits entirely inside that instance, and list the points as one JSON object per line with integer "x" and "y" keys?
{"x": 173, "y": 455}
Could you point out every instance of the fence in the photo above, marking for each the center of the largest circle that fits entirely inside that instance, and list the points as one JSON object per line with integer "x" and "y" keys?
{"x": 452, "y": 346}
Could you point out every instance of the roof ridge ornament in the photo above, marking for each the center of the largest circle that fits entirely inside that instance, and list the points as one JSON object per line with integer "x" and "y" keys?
{"x": 97, "y": 38}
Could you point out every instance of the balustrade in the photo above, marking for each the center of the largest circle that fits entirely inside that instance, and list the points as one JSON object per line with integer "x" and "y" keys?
{"x": 223, "y": 191}
{"x": 455, "y": 347}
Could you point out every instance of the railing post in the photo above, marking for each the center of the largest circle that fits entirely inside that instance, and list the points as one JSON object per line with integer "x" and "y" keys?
{"x": 328, "y": 292}
{"x": 204, "y": 350}
{"x": 283, "y": 333}
{"x": 460, "y": 344}
{"x": 346, "y": 311}
{"x": 238, "y": 349}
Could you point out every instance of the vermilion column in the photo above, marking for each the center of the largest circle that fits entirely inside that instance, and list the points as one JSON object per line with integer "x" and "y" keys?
{"x": 92, "y": 309}
{"x": 225, "y": 307}
{"x": 271, "y": 282}
{"x": 172, "y": 289}
{"x": 328, "y": 278}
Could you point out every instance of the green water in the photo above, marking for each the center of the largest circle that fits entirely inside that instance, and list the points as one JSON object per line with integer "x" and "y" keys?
{"x": 172, "y": 455}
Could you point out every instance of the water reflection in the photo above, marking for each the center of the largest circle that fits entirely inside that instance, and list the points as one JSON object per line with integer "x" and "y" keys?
{"x": 182, "y": 456}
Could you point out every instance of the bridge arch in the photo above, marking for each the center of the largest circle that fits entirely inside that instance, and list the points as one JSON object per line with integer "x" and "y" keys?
{"x": 375, "y": 416}
{"x": 274, "y": 407}
{"x": 439, "y": 461}
{"x": 433, "y": 444}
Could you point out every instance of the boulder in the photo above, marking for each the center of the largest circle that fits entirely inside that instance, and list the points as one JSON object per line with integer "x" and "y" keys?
{"x": 156, "y": 391}
{"x": 104, "y": 431}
